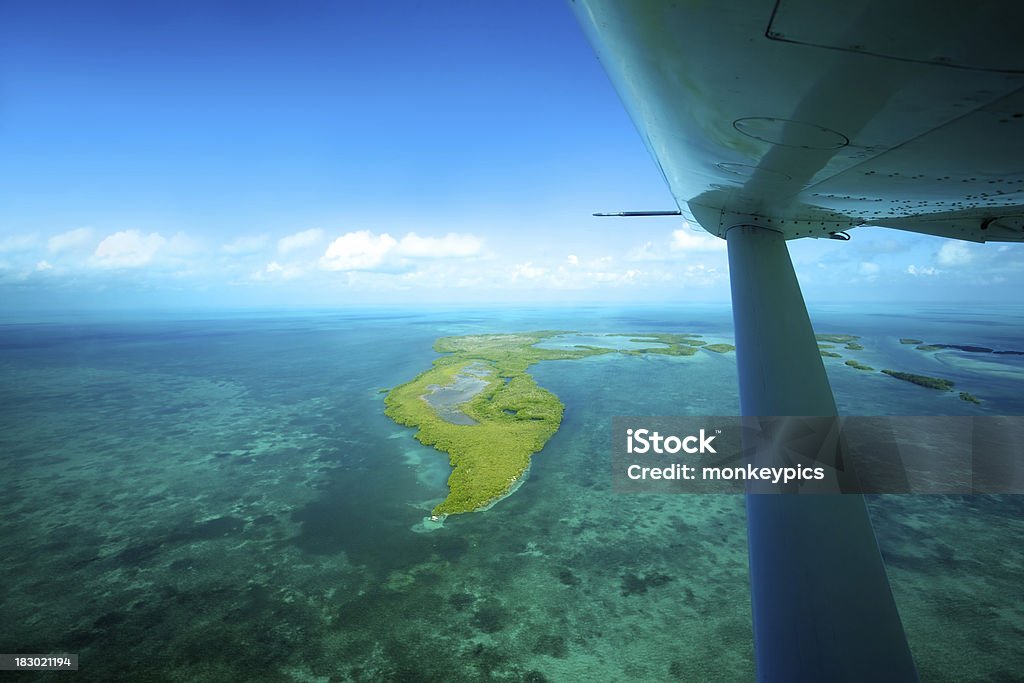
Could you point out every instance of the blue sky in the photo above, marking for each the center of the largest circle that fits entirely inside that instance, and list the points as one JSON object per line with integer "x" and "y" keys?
{"x": 334, "y": 153}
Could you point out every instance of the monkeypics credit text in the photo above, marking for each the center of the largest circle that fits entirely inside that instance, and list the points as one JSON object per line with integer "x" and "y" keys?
{"x": 645, "y": 441}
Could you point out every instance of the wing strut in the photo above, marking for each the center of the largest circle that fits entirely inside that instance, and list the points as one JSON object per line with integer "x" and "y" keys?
{"x": 823, "y": 609}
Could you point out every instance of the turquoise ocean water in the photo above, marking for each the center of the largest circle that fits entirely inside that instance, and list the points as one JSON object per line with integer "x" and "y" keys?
{"x": 222, "y": 498}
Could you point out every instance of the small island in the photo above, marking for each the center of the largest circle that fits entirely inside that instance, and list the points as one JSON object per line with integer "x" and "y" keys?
{"x": 826, "y": 342}
{"x": 922, "y": 380}
{"x": 969, "y": 348}
{"x": 670, "y": 344}
{"x": 909, "y": 341}
{"x": 970, "y": 398}
{"x": 720, "y": 348}
{"x": 675, "y": 345}
{"x": 859, "y": 366}
{"x": 503, "y": 416}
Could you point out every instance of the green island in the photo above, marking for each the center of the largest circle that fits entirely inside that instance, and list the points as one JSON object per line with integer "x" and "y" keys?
{"x": 970, "y": 398}
{"x": 478, "y": 404}
{"x": 829, "y": 354}
{"x": 908, "y": 340}
{"x": 854, "y": 346}
{"x": 922, "y": 380}
{"x": 929, "y": 347}
{"x": 674, "y": 344}
{"x": 720, "y": 348}
{"x": 837, "y": 338}
{"x": 860, "y": 366}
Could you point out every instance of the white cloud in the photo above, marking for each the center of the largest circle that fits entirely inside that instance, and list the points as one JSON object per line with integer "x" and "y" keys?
{"x": 869, "y": 268}
{"x": 689, "y": 240}
{"x": 954, "y": 254}
{"x": 300, "y": 240}
{"x": 625, "y": 277}
{"x": 364, "y": 250}
{"x": 43, "y": 265}
{"x": 682, "y": 244}
{"x": 70, "y": 241}
{"x": 701, "y": 270}
{"x": 573, "y": 260}
{"x": 246, "y": 244}
{"x": 922, "y": 270}
{"x": 570, "y": 277}
{"x": 360, "y": 250}
{"x": 285, "y": 272}
{"x": 452, "y": 245}
{"x": 16, "y": 243}
{"x": 527, "y": 271}
{"x": 128, "y": 249}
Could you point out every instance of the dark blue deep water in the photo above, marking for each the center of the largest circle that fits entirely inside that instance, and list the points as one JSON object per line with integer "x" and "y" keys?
{"x": 224, "y": 499}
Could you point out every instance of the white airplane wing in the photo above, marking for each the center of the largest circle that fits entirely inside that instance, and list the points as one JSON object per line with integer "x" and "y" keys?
{"x": 824, "y": 116}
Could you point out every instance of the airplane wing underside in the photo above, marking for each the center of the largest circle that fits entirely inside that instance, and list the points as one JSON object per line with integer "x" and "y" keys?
{"x": 816, "y": 117}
